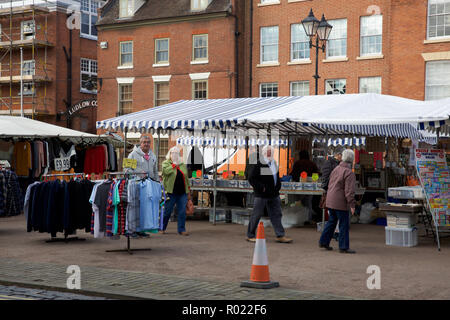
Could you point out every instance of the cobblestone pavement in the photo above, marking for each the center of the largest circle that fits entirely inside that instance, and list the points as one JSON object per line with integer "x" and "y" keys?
{"x": 138, "y": 285}
{"x": 21, "y": 293}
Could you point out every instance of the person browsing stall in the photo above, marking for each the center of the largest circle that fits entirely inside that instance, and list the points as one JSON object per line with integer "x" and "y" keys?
{"x": 340, "y": 199}
{"x": 265, "y": 179}
{"x": 176, "y": 184}
{"x": 146, "y": 159}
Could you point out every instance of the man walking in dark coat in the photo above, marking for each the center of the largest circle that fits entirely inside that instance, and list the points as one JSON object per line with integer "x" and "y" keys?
{"x": 265, "y": 180}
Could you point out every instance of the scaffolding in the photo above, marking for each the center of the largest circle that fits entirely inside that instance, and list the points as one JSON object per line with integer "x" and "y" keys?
{"x": 27, "y": 78}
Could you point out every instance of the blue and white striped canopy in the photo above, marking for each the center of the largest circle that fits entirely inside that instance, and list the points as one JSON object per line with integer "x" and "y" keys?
{"x": 352, "y": 141}
{"x": 349, "y": 114}
{"x": 210, "y": 142}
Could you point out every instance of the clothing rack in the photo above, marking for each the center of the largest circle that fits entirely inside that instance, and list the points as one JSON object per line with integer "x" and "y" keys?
{"x": 128, "y": 249}
{"x": 66, "y": 239}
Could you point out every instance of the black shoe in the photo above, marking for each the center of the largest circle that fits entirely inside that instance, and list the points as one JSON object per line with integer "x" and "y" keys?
{"x": 324, "y": 246}
{"x": 347, "y": 251}
{"x": 142, "y": 234}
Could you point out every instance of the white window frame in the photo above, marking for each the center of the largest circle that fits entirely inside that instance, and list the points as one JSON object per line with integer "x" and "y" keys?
{"x": 443, "y": 79}
{"x": 444, "y": 15}
{"x": 22, "y": 30}
{"x": 329, "y": 80}
{"x": 29, "y": 67}
{"x": 156, "y": 85}
{"x": 28, "y": 92}
{"x": 307, "y": 50}
{"x": 371, "y": 79}
{"x": 126, "y": 8}
{"x": 333, "y": 34}
{"x": 262, "y": 45}
{"x": 156, "y": 51}
{"x": 198, "y": 5}
{"x": 162, "y": 151}
{"x": 193, "y": 89}
{"x": 89, "y": 10}
{"x": 379, "y": 34}
{"x": 92, "y": 71}
{"x": 303, "y": 83}
{"x": 194, "y": 36}
{"x": 272, "y": 84}
{"x": 120, "y": 86}
{"x": 121, "y": 64}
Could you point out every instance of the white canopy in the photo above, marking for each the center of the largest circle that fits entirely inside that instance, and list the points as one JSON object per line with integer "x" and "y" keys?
{"x": 20, "y": 127}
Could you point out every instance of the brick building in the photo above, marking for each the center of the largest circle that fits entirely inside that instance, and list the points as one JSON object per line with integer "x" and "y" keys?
{"x": 398, "y": 47}
{"x": 155, "y": 52}
{"x": 50, "y": 47}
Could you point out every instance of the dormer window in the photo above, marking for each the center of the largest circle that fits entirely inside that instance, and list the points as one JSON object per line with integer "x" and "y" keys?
{"x": 126, "y": 8}
{"x": 198, "y": 5}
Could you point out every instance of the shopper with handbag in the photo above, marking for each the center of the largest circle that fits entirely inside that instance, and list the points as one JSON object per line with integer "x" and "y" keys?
{"x": 176, "y": 184}
{"x": 327, "y": 168}
{"x": 340, "y": 199}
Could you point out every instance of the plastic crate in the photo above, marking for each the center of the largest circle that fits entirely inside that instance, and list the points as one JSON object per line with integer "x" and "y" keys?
{"x": 221, "y": 215}
{"x": 239, "y": 215}
{"x": 244, "y": 184}
{"x": 404, "y": 237}
{"x": 286, "y": 185}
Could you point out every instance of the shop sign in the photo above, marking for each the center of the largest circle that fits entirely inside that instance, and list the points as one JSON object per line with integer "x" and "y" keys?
{"x": 62, "y": 164}
{"x": 129, "y": 163}
{"x": 81, "y": 105}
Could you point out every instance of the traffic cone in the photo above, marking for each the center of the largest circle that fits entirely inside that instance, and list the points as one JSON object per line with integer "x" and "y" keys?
{"x": 259, "y": 276}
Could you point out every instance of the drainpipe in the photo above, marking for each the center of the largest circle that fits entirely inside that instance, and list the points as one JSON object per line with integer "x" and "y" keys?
{"x": 251, "y": 48}
{"x": 69, "y": 76}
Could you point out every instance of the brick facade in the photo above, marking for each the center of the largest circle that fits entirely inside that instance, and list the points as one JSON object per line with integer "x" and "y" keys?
{"x": 51, "y": 94}
{"x": 401, "y": 67}
{"x": 401, "y": 64}
{"x": 221, "y": 62}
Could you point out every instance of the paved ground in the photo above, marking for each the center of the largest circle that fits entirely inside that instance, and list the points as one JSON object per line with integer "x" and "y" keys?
{"x": 213, "y": 260}
{"x": 21, "y": 293}
{"x": 141, "y": 285}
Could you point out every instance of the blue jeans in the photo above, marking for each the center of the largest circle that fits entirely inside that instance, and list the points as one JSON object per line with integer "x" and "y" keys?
{"x": 344, "y": 223}
{"x": 180, "y": 201}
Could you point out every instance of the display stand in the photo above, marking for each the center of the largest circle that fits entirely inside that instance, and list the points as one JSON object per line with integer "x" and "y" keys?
{"x": 128, "y": 249}
{"x": 66, "y": 239}
{"x": 434, "y": 178}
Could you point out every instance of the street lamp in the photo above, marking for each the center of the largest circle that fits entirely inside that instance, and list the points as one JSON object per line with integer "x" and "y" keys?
{"x": 319, "y": 29}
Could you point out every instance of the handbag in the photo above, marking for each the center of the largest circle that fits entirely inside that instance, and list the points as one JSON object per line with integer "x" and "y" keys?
{"x": 323, "y": 201}
{"x": 190, "y": 208}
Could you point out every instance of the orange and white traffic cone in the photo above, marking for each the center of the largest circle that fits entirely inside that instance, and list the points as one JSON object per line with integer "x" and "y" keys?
{"x": 259, "y": 276}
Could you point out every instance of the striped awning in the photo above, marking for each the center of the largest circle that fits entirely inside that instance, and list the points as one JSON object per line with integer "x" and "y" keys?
{"x": 352, "y": 141}
{"x": 210, "y": 142}
{"x": 349, "y": 114}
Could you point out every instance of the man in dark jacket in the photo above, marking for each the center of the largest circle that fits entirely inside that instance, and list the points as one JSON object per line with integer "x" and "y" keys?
{"x": 265, "y": 180}
{"x": 329, "y": 166}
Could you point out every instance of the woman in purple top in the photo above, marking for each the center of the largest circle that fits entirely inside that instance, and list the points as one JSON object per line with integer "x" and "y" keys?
{"x": 340, "y": 199}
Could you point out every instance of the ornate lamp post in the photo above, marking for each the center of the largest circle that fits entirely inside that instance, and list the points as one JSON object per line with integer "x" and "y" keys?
{"x": 321, "y": 31}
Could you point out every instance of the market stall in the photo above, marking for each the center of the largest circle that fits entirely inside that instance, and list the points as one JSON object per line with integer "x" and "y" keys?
{"x": 30, "y": 149}
{"x": 370, "y": 115}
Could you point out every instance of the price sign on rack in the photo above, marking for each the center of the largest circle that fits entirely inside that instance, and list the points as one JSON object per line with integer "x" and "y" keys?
{"x": 62, "y": 164}
{"x": 129, "y": 163}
